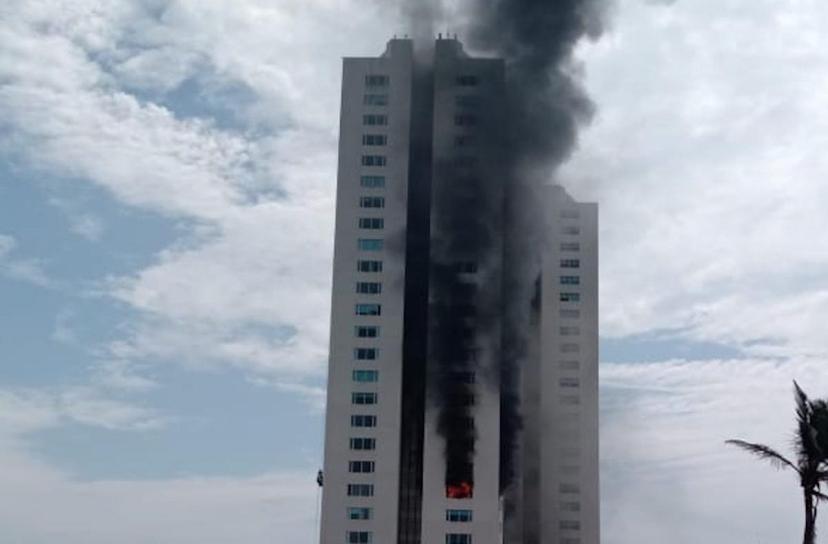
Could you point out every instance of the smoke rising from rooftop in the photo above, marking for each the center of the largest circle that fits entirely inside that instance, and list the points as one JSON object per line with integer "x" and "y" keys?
{"x": 545, "y": 104}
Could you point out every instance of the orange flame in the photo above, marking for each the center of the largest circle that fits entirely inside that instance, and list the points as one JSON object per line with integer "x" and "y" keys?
{"x": 463, "y": 490}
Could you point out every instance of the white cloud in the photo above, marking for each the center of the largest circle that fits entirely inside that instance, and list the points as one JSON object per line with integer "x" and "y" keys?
{"x": 667, "y": 474}
{"x": 707, "y": 159}
{"x": 25, "y": 410}
{"x": 249, "y": 284}
{"x": 88, "y": 226}
{"x": 42, "y": 504}
{"x": 20, "y": 269}
{"x": 122, "y": 375}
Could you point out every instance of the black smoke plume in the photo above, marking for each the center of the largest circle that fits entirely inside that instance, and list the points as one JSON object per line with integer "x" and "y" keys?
{"x": 494, "y": 219}
{"x": 546, "y": 104}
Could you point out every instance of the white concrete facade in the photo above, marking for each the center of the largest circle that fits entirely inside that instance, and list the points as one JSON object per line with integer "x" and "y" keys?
{"x": 555, "y": 495}
{"x": 569, "y": 485}
{"x": 391, "y": 98}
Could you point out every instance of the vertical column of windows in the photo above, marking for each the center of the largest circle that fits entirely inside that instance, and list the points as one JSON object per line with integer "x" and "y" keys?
{"x": 465, "y": 165}
{"x": 569, "y": 381}
{"x": 569, "y": 283}
{"x": 369, "y": 266}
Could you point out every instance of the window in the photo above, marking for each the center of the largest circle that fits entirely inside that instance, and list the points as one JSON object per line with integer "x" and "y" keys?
{"x": 359, "y": 537}
{"x": 375, "y": 100}
{"x": 465, "y": 120}
{"x": 570, "y": 506}
{"x": 570, "y": 214}
{"x": 361, "y": 467}
{"x": 366, "y": 354}
{"x": 570, "y": 280}
{"x": 570, "y": 314}
{"x": 363, "y": 421}
{"x": 570, "y": 246}
{"x": 369, "y": 244}
{"x": 369, "y": 287}
{"x": 570, "y": 263}
{"x": 372, "y": 202}
{"x": 569, "y": 525}
{"x": 375, "y": 120}
{"x": 363, "y": 398}
{"x": 362, "y": 444}
{"x": 570, "y": 348}
{"x": 467, "y": 81}
{"x": 372, "y": 223}
{"x": 365, "y": 376}
{"x": 570, "y": 297}
{"x": 360, "y": 490}
{"x": 571, "y": 230}
{"x": 368, "y": 309}
{"x": 374, "y": 139}
{"x": 569, "y": 331}
{"x": 366, "y": 332}
{"x": 467, "y": 101}
{"x": 570, "y": 365}
{"x": 372, "y": 182}
{"x": 377, "y": 80}
{"x": 570, "y": 400}
{"x": 569, "y": 488}
{"x": 569, "y": 382}
{"x": 458, "y": 515}
{"x": 359, "y": 513}
{"x": 369, "y": 266}
{"x": 458, "y": 538}
{"x": 373, "y": 160}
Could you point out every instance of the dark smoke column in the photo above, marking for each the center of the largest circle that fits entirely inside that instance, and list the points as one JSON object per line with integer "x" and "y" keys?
{"x": 546, "y": 105}
{"x": 462, "y": 392}
{"x": 511, "y": 401}
{"x": 465, "y": 303}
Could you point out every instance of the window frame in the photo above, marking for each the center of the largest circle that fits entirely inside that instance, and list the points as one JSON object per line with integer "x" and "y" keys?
{"x": 363, "y": 421}
{"x": 375, "y": 99}
{"x": 364, "y": 309}
{"x": 364, "y": 398}
{"x": 365, "y": 375}
{"x": 369, "y": 266}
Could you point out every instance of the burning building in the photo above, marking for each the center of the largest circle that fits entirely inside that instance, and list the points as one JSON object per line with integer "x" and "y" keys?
{"x": 462, "y": 399}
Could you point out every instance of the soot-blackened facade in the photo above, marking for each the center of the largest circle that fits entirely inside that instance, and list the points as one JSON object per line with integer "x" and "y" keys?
{"x": 462, "y": 385}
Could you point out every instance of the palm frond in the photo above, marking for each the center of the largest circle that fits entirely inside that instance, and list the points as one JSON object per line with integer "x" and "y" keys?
{"x": 819, "y": 421}
{"x": 776, "y": 459}
{"x": 807, "y": 441}
{"x": 803, "y": 406}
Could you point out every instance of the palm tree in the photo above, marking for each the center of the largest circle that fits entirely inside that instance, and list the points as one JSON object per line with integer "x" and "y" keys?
{"x": 811, "y": 463}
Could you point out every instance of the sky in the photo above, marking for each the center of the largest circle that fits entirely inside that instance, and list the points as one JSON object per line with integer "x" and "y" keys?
{"x": 167, "y": 177}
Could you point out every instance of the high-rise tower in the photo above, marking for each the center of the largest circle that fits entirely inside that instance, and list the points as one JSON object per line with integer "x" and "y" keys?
{"x": 438, "y": 429}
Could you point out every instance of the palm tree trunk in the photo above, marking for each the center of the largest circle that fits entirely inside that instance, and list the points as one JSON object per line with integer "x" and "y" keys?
{"x": 810, "y": 518}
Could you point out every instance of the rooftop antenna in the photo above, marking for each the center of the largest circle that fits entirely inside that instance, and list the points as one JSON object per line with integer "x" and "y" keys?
{"x": 440, "y": 36}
